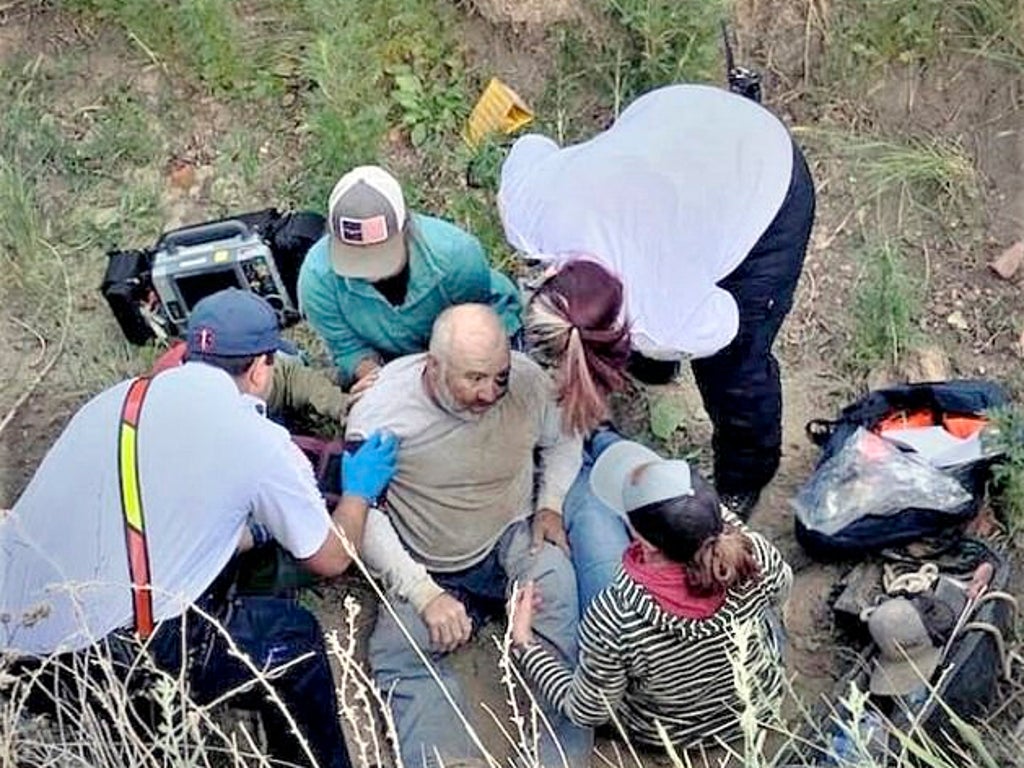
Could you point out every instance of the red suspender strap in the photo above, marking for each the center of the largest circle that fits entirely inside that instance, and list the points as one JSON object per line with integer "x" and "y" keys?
{"x": 131, "y": 506}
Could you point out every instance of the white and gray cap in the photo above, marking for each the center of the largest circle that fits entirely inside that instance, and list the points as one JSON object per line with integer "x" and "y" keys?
{"x": 366, "y": 217}
{"x": 633, "y": 479}
{"x": 627, "y": 476}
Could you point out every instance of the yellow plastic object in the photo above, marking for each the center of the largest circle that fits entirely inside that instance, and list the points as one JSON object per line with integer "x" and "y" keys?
{"x": 499, "y": 108}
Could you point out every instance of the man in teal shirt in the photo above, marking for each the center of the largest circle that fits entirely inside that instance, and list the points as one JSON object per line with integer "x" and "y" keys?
{"x": 373, "y": 285}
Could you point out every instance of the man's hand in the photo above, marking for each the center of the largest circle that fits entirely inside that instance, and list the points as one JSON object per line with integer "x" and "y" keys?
{"x": 366, "y": 376}
{"x": 448, "y": 622}
{"x": 367, "y": 472}
{"x": 547, "y": 526}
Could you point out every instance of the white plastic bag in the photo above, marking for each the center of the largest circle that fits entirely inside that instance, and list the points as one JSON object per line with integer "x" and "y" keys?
{"x": 871, "y": 476}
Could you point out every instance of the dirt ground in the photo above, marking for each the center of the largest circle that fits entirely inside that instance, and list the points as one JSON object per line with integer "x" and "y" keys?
{"x": 974, "y": 102}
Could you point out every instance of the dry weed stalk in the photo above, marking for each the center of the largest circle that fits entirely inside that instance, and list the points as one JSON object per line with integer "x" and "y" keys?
{"x": 513, "y": 681}
{"x": 358, "y": 696}
{"x": 97, "y": 722}
{"x": 65, "y": 329}
{"x": 386, "y": 604}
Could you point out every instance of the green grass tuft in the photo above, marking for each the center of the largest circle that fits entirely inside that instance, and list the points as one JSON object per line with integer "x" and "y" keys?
{"x": 887, "y": 304}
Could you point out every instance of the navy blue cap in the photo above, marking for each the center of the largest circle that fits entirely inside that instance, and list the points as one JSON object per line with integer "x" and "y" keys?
{"x": 234, "y": 323}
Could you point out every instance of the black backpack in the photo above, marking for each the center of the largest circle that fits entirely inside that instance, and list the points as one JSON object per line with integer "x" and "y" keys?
{"x": 873, "y": 533}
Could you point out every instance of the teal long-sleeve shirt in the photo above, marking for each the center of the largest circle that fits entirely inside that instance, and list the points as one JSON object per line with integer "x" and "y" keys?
{"x": 447, "y": 266}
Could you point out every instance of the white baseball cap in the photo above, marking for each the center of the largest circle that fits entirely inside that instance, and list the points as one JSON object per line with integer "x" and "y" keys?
{"x": 617, "y": 479}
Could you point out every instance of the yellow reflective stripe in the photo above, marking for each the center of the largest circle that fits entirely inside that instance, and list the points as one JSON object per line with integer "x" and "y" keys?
{"x": 130, "y": 498}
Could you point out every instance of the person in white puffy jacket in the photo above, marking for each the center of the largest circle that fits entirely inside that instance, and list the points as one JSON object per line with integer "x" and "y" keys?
{"x": 700, "y": 201}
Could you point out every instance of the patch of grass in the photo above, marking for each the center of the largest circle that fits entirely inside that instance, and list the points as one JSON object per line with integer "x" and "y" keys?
{"x": 124, "y": 215}
{"x": 210, "y": 34}
{"x": 932, "y": 172}
{"x": 576, "y": 101}
{"x": 473, "y": 204}
{"x": 1008, "y": 475}
{"x": 862, "y": 36}
{"x": 474, "y": 211}
{"x": 210, "y": 38}
{"x": 30, "y": 148}
{"x": 929, "y": 169}
{"x": 21, "y": 226}
{"x": 241, "y": 153}
{"x": 119, "y": 132}
{"x": 407, "y": 73}
{"x": 887, "y": 304}
{"x": 993, "y": 29}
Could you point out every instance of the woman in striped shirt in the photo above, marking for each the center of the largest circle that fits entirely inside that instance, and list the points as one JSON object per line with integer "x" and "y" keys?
{"x": 659, "y": 644}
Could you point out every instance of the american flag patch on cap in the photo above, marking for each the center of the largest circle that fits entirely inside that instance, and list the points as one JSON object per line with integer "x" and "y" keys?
{"x": 362, "y": 231}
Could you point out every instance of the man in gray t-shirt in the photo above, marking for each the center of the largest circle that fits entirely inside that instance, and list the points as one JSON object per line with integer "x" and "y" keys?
{"x": 461, "y": 521}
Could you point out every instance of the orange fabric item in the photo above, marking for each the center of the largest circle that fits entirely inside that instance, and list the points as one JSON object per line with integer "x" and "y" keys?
{"x": 963, "y": 425}
{"x": 905, "y": 420}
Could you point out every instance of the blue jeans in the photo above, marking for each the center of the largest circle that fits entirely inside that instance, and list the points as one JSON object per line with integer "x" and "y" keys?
{"x": 423, "y": 718}
{"x": 597, "y": 534}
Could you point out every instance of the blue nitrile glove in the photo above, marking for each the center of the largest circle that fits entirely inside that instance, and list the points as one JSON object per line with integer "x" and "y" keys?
{"x": 368, "y": 471}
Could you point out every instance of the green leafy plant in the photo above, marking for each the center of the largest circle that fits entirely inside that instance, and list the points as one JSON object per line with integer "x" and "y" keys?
{"x": 886, "y": 307}
{"x": 432, "y": 105}
{"x": 1007, "y": 435}
{"x": 666, "y": 41}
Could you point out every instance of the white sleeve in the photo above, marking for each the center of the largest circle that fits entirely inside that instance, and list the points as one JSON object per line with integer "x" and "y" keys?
{"x": 289, "y": 503}
{"x": 560, "y": 458}
{"x": 389, "y": 560}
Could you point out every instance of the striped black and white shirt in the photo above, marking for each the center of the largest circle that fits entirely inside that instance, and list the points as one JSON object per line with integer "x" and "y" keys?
{"x": 647, "y": 665}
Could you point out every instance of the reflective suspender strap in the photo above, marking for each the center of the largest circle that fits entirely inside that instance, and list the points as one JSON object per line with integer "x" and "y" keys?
{"x": 131, "y": 506}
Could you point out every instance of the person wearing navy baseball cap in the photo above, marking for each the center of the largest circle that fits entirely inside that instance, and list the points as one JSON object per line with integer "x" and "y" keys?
{"x": 235, "y": 323}
{"x": 124, "y": 541}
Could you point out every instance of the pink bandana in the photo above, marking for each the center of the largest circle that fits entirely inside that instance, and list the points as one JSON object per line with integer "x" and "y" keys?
{"x": 668, "y": 584}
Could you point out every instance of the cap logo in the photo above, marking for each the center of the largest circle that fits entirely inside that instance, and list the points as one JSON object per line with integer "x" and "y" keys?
{"x": 362, "y": 231}
{"x": 205, "y": 339}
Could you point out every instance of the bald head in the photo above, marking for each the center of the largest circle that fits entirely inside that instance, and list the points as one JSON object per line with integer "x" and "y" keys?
{"x": 468, "y": 363}
{"x": 469, "y": 328}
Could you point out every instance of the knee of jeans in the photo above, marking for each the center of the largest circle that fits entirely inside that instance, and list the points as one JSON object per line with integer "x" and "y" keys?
{"x": 599, "y": 441}
{"x": 556, "y": 580}
{"x": 388, "y": 651}
{"x": 583, "y": 511}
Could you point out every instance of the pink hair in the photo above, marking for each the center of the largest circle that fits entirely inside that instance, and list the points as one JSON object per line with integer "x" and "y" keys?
{"x": 575, "y": 324}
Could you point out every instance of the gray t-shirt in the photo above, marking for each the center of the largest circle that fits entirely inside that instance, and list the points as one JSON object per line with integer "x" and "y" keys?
{"x": 461, "y": 483}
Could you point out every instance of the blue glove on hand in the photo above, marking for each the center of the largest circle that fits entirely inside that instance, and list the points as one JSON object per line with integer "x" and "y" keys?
{"x": 368, "y": 471}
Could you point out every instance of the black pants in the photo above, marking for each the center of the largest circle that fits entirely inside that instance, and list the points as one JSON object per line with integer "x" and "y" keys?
{"x": 270, "y": 630}
{"x": 740, "y": 384}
